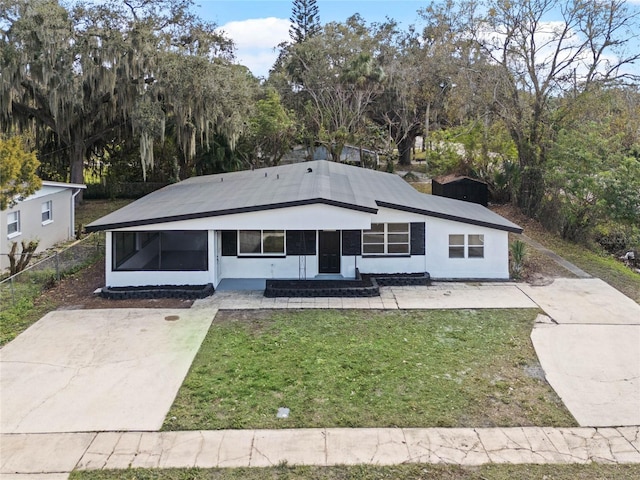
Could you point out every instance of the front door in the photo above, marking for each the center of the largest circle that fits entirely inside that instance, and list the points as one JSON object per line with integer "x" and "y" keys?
{"x": 329, "y": 252}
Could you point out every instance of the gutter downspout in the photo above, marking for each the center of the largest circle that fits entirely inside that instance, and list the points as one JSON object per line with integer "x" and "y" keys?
{"x": 72, "y": 226}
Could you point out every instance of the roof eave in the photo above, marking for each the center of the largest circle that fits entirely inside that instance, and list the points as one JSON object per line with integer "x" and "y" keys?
{"x": 454, "y": 218}
{"x": 231, "y": 211}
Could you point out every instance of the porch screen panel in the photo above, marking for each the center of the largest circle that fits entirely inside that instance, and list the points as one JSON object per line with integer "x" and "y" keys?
{"x": 124, "y": 246}
{"x": 183, "y": 251}
{"x": 160, "y": 251}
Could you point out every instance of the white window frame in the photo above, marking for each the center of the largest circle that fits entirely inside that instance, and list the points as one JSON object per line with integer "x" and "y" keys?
{"x": 16, "y": 222}
{"x": 264, "y": 234}
{"x": 386, "y": 235}
{"x": 47, "y": 207}
{"x": 472, "y": 245}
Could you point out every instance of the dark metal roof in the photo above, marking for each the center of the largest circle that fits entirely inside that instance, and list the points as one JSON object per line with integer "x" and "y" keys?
{"x": 305, "y": 183}
{"x": 457, "y": 178}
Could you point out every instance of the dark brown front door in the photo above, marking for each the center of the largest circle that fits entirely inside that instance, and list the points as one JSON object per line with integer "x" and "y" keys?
{"x": 329, "y": 252}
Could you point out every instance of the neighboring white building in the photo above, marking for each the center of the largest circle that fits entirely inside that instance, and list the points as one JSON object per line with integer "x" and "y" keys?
{"x": 350, "y": 154}
{"x": 48, "y": 216}
{"x": 302, "y": 220}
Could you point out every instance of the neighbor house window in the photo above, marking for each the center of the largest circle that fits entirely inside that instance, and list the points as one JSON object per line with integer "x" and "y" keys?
{"x": 386, "y": 239}
{"x": 13, "y": 223}
{"x": 469, "y": 246}
{"x": 47, "y": 212}
{"x": 261, "y": 242}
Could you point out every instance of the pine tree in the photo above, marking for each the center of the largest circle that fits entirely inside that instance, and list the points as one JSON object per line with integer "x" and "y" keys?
{"x": 305, "y": 20}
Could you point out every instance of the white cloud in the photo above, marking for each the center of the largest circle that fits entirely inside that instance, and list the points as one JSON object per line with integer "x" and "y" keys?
{"x": 255, "y": 41}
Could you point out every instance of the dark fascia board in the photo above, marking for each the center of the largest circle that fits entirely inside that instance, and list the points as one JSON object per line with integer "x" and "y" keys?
{"x": 445, "y": 216}
{"x": 231, "y": 211}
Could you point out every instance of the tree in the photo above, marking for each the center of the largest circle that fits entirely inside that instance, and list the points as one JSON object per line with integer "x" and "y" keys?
{"x": 92, "y": 73}
{"x": 18, "y": 168}
{"x": 305, "y": 20}
{"x": 593, "y": 167}
{"x": 272, "y": 129}
{"x": 337, "y": 76}
{"x": 538, "y": 60}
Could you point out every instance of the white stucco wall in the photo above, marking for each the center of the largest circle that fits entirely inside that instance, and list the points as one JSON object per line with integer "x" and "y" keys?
{"x": 494, "y": 265}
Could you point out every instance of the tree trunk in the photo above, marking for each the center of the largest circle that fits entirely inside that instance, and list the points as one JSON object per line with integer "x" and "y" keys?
{"x": 77, "y": 156}
{"x": 531, "y": 189}
{"x": 404, "y": 148}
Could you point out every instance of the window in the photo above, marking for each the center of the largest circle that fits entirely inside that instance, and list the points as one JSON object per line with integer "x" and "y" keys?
{"x": 456, "y": 246}
{"x": 261, "y": 242}
{"x": 474, "y": 246}
{"x": 386, "y": 239}
{"x": 47, "y": 212}
{"x": 13, "y": 224}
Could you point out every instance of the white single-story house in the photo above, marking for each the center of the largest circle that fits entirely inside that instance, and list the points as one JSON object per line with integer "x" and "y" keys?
{"x": 47, "y": 216}
{"x": 304, "y": 220}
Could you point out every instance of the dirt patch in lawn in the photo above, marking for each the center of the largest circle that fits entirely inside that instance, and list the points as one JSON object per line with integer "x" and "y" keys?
{"x": 539, "y": 269}
{"x": 76, "y": 292}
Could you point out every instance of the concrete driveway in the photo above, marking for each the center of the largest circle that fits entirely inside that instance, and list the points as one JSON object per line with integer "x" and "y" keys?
{"x": 590, "y": 351}
{"x": 96, "y": 370}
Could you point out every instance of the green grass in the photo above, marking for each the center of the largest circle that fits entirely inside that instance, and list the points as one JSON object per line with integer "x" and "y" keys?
{"x": 603, "y": 266}
{"x": 90, "y": 210}
{"x": 366, "y": 369}
{"x": 16, "y": 317}
{"x": 26, "y": 302}
{"x": 593, "y": 471}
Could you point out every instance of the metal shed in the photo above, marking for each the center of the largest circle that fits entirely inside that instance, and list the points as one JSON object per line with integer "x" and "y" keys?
{"x": 461, "y": 188}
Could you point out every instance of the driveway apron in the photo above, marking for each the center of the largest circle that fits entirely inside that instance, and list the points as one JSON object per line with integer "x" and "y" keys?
{"x": 590, "y": 349}
{"x": 96, "y": 370}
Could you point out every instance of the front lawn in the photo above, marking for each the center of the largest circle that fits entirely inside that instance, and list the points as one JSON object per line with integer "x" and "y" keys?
{"x": 463, "y": 368}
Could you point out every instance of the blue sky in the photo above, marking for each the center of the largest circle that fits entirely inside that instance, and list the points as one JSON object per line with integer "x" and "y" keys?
{"x": 258, "y": 26}
{"x": 223, "y": 11}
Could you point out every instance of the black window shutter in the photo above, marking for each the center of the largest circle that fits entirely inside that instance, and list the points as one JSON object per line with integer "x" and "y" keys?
{"x": 301, "y": 242}
{"x": 417, "y": 238}
{"x": 351, "y": 242}
{"x": 229, "y": 243}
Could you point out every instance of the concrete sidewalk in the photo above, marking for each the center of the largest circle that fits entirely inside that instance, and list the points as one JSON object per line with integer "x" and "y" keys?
{"x": 61, "y": 453}
{"x": 439, "y": 295}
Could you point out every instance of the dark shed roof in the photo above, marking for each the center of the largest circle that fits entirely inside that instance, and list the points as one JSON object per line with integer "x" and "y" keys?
{"x": 457, "y": 178}
{"x": 305, "y": 183}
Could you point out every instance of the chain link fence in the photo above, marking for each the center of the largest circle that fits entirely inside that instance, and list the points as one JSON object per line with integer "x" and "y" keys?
{"x": 46, "y": 272}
